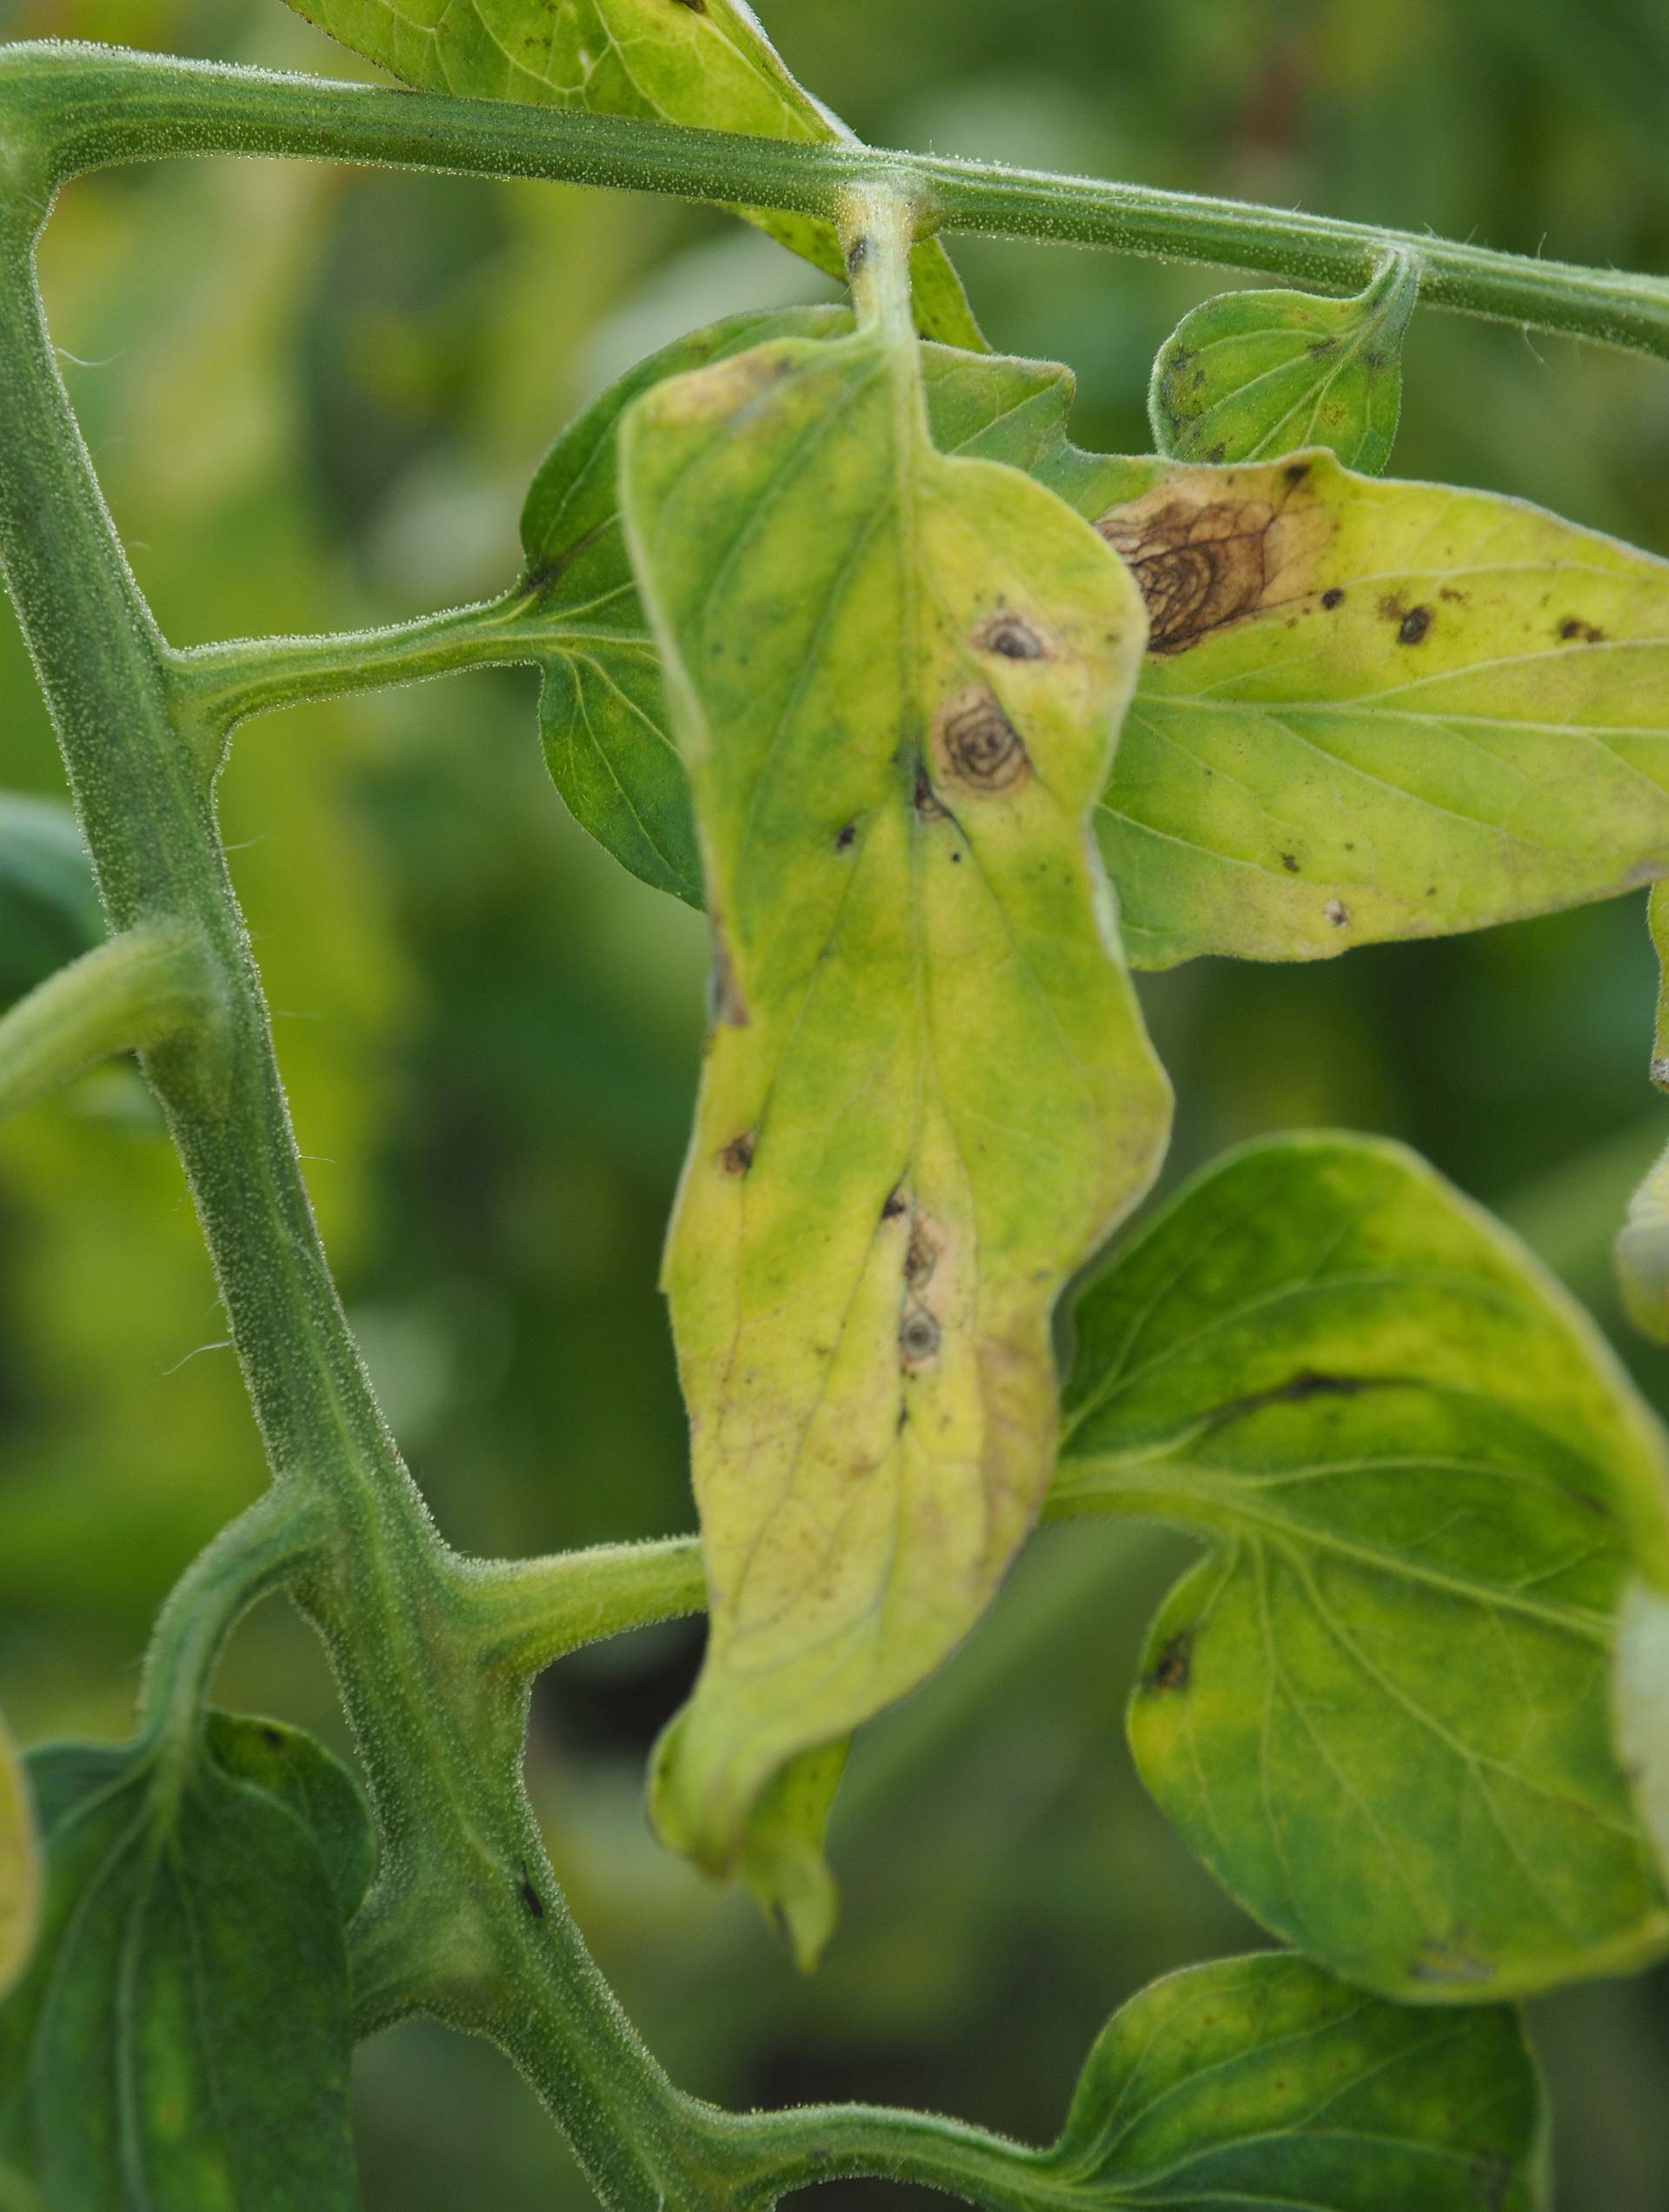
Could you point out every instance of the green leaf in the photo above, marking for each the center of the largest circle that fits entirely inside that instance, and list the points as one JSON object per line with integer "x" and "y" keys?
{"x": 708, "y": 66}
{"x": 48, "y": 906}
{"x": 294, "y": 1767}
{"x": 1373, "y": 710}
{"x": 600, "y": 712}
{"x": 182, "y": 2036}
{"x": 782, "y": 1861}
{"x": 1249, "y": 376}
{"x": 897, "y": 680}
{"x": 1257, "y": 2083}
{"x": 1378, "y": 1710}
{"x": 20, "y": 1900}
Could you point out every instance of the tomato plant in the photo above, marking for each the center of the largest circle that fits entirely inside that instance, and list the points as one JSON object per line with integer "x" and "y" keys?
{"x": 949, "y": 724}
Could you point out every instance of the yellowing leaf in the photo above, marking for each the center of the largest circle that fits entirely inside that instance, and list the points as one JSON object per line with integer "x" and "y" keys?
{"x": 1379, "y": 1710}
{"x": 1373, "y": 710}
{"x": 708, "y": 66}
{"x": 1252, "y": 375}
{"x": 20, "y": 1899}
{"x": 897, "y": 681}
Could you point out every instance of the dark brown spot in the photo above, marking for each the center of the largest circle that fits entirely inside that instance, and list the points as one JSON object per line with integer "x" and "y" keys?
{"x": 922, "y": 1257}
{"x": 896, "y": 1203}
{"x": 1413, "y": 625}
{"x": 977, "y": 745}
{"x": 918, "y": 1336}
{"x": 1174, "y": 1664}
{"x": 1012, "y": 637}
{"x": 1333, "y": 598}
{"x": 1289, "y": 861}
{"x": 1337, "y": 913}
{"x": 1573, "y": 627}
{"x": 926, "y": 799}
{"x": 1317, "y": 347}
{"x": 846, "y": 837}
{"x": 1197, "y": 566}
{"x": 856, "y": 253}
{"x": 1455, "y": 598}
{"x": 1296, "y": 471}
{"x": 271, "y": 1737}
{"x": 530, "y": 1897}
{"x": 725, "y": 1001}
{"x": 738, "y": 1155}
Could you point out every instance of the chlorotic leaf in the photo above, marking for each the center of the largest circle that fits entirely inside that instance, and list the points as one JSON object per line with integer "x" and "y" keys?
{"x": 183, "y": 2035}
{"x": 1262, "y": 2082}
{"x": 49, "y": 904}
{"x": 708, "y": 66}
{"x": 897, "y": 680}
{"x": 1250, "y": 375}
{"x": 1374, "y": 710}
{"x": 19, "y": 1869}
{"x": 602, "y": 713}
{"x": 1642, "y": 1247}
{"x": 1378, "y": 1710}
{"x": 1642, "y": 1707}
{"x": 781, "y": 1861}
{"x": 1358, "y": 720}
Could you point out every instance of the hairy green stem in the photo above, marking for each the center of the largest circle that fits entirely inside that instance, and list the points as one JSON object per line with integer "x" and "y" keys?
{"x": 138, "y": 990}
{"x": 530, "y": 1613}
{"x": 255, "y": 1553}
{"x": 69, "y": 109}
{"x": 460, "y": 1842}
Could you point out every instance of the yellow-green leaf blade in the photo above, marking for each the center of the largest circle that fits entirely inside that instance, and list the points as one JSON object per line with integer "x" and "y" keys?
{"x": 1250, "y": 375}
{"x": 1379, "y": 1710}
{"x": 896, "y": 679}
{"x": 710, "y": 68}
{"x": 1264, "y": 2082}
{"x": 1374, "y": 710}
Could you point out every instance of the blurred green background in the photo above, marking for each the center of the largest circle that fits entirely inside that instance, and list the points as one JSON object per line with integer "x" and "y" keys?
{"x": 315, "y": 398}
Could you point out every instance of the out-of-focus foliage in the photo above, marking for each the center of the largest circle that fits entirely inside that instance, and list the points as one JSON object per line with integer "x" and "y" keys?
{"x": 313, "y": 394}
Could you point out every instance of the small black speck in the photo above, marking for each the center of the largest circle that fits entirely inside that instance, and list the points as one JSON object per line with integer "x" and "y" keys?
{"x": 1289, "y": 861}
{"x": 1296, "y": 471}
{"x": 531, "y": 1898}
{"x": 1333, "y": 598}
{"x": 846, "y": 837}
{"x": 856, "y": 253}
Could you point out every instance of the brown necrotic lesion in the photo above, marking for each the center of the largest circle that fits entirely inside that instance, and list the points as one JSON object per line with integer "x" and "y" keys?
{"x": 976, "y": 744}
{"x": 1212, "y": 548}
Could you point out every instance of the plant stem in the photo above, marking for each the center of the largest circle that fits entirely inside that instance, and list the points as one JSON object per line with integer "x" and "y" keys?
{"x": 76, "y": 108}
{"x": 135, "y": 990}
{"x": 530, "y": 1613}
{"x": 220, "y": 686}
{"x": 441, "y": 1748}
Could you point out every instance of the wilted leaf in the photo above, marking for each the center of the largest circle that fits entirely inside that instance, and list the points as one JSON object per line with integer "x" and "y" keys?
{"x": 1249, "y": 376}
{"x": 897, "y": 680}
{"x": 1263, "y": 2083}
{"x": 1373, "y": 710}
{"x": 601, "y": 711}
{"x": 710, "y": 67}
{"x": 48, "y": 906}
{"x": 1378, "y": 1710}
{"x": 19, "y": 1869}
{"x": 181, "y": 2038}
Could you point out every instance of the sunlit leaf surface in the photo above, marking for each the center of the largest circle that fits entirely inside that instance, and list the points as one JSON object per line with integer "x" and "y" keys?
{"x": 1250, "y": 375}
{"x": 897, "y": 680}
{"x": 1378, "y": 1710}
{"x": 710, "y": 67}
{"x": 1261, "y": 2082}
